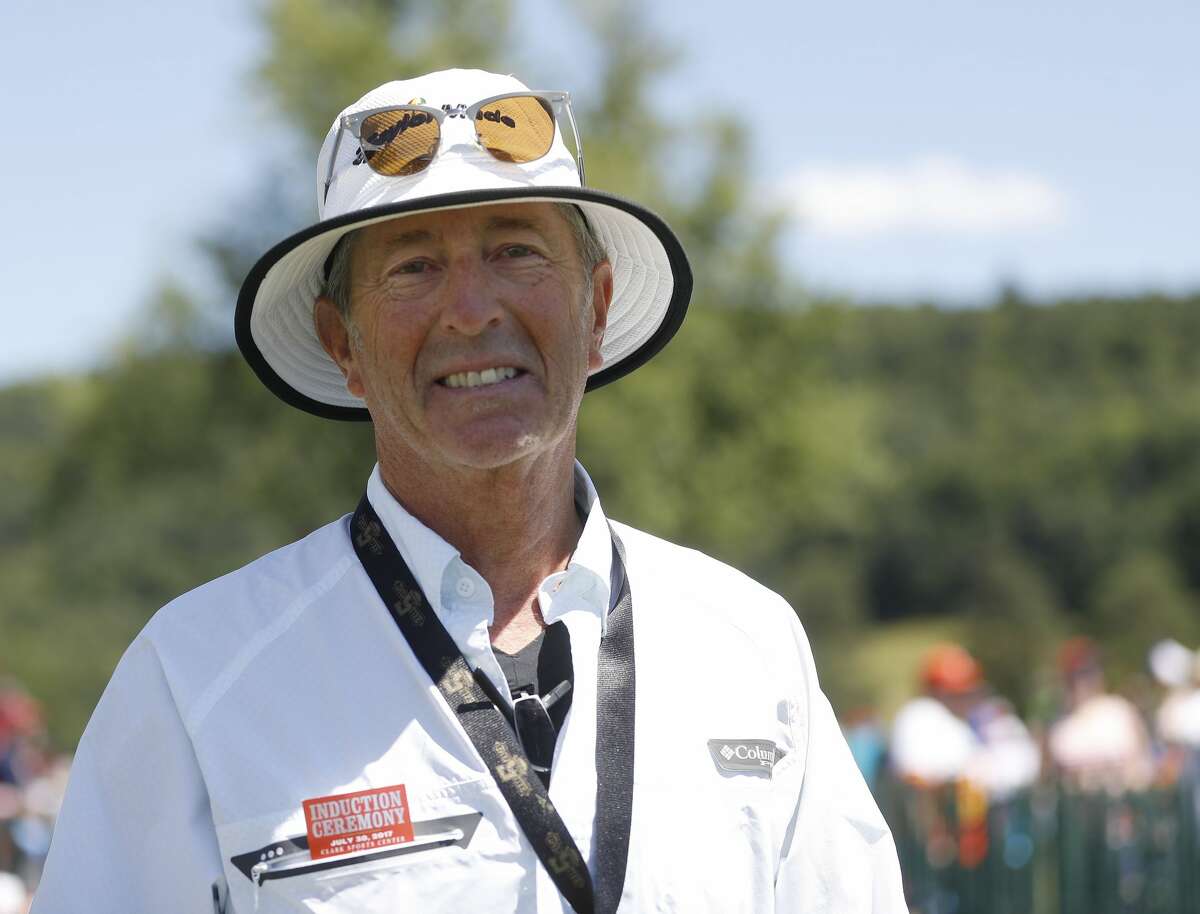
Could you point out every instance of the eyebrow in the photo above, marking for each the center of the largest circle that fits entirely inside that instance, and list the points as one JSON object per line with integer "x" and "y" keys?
{"x": 410, "y": 237}
{"x": 414, "y": 236}
{"x": 515, "y": 222}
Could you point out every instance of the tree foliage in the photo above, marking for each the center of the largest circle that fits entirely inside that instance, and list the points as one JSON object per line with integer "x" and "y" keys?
{"x": 1030, "y": 468}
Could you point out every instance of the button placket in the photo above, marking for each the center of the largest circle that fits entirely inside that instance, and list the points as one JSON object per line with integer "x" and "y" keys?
{"x": 573, "y": 785}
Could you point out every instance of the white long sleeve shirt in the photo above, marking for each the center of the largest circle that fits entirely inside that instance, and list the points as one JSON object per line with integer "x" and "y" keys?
{"x": 288, "y": 680}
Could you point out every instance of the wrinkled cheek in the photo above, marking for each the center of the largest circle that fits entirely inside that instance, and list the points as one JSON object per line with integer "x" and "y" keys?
{"x": 381, "y": 383}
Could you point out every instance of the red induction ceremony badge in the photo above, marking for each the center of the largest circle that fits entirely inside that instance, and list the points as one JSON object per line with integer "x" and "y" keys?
{"x": 347, "y": 823}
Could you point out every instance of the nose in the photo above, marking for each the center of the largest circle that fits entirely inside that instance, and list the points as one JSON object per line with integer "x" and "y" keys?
{"x": 470, "y": 305}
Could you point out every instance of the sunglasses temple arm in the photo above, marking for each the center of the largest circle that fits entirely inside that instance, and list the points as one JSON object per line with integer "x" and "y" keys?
{"x": 578, "y": 145}
{"x": 332, "y": 159}
{"x": 556, "y": 693}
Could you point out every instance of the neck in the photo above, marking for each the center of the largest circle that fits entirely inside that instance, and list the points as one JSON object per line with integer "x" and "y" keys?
{"x": 514, "y": 525}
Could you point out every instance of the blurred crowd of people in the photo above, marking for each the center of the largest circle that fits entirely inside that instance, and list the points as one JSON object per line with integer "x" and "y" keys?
{"x": 32, "y": 782}
{"x": 958, "y": 729}
{"x": 1103, "y": 788}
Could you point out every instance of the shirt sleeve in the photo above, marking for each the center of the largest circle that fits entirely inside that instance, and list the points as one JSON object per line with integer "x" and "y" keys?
{"x": 838, "y": 854}
{"x": 135, "y": 833}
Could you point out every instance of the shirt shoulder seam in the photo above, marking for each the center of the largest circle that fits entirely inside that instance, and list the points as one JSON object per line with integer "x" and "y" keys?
{"x": 233, "y": 670}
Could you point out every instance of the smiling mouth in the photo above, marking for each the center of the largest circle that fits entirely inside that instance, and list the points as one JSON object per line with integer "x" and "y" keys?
{"x": 480, "y": 378}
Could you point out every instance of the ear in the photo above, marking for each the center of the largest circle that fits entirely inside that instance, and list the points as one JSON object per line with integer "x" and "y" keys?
{"x": 602, "y": 290}
{"x": 334, "y": 333}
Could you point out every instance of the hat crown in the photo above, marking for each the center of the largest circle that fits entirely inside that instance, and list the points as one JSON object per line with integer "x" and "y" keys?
{"x": 460, "y": 163}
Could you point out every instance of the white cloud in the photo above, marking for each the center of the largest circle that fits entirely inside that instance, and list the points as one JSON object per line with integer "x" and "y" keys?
{"x": 928, "y": 194}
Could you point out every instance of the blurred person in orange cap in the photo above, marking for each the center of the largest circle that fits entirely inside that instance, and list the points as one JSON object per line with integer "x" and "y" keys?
{"x": 1101, "y": 742}
{"x": 957, "y": 733}
{"x": 931, "y": 739}
{"x": 959, "y": 729}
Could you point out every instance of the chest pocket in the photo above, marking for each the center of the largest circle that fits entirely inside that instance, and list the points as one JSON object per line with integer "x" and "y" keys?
{"x": 457, "y": 853}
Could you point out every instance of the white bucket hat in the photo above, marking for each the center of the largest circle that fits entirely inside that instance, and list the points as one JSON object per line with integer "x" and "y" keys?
{"x": 652, "y": 281}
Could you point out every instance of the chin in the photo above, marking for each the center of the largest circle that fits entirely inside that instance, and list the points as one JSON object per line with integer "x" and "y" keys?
{"x": 493, "y": 452}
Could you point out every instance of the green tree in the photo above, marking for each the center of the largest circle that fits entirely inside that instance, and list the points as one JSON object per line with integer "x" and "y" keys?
{"x": 1013, "y": 624}
{"x": 1140, "y": 601}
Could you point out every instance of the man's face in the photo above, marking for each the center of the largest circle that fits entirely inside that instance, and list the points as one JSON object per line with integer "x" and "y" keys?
{"x": 471, "y": 332}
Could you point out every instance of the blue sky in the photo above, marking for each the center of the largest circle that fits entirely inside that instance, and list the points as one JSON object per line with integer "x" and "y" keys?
{"x": 922, "y": 149}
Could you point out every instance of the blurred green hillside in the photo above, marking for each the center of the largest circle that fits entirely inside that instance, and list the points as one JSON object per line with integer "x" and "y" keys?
{"x": 1004, "y": 475}
{"x": 1020, "y": 471}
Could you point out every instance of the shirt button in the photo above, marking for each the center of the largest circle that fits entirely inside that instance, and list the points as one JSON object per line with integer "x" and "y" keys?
{"x": 465, "y": 587}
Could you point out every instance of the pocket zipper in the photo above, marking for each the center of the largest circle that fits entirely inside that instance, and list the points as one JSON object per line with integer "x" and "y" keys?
{"x": 299, "y": 863}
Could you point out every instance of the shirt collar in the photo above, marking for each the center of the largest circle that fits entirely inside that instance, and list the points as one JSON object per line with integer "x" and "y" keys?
{"x": 427, "y": 555}
{"x": 433, "y": 561}
{"x": 588, "y": 573}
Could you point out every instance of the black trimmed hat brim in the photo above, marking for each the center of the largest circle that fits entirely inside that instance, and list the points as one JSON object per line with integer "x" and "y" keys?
{"x": 672, "y": 319}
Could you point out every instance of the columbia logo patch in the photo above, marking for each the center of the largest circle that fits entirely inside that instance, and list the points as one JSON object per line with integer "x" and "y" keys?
{"x": 745, "y": 754}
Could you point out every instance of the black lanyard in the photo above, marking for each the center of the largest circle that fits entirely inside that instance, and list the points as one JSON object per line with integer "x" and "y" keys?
{"x": 494, "y": 739}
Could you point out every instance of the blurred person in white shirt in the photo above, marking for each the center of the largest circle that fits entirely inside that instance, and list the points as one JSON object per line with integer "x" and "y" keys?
{"x": 1177, "y": 669}
{"x": 959, "y": 729}
{"x": 1177, "y": 720}
{"x": 932, "y": 741}
{"x": 1101, "y": 742}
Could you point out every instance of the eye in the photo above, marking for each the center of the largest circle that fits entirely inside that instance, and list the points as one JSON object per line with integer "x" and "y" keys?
{"x": 513, "y": 251}
{"x": 412, "y": 267}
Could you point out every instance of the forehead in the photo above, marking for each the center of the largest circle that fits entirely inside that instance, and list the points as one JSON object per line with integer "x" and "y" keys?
{"x": 537, "y": 216}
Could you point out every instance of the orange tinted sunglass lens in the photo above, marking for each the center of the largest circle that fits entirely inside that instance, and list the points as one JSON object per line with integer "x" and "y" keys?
{"x": 517, "y": 129}
{"x": 400, "y": 141}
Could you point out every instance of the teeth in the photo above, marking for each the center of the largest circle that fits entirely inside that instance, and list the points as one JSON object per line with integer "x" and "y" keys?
{"x": 479, "y": 378}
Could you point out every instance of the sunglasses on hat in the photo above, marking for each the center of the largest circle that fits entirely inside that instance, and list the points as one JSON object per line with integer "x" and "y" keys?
{"x": 402, "y": 140}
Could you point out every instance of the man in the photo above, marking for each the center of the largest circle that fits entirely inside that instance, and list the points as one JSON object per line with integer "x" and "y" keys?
{"x": 475, "y": 693}
{"x": 1177, "y": 719}
{"x": 1101, "y": 741}
{"x": 958, "y": 729}
{"x": 931, "y": 742}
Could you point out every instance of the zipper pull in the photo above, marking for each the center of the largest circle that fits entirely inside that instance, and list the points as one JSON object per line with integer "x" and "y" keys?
{"x": 257, "y": 871}
{"x": 256, "y": 876}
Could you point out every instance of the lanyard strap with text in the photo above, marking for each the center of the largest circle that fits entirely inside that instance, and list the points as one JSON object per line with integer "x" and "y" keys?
{"x": 494, "y": 739}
